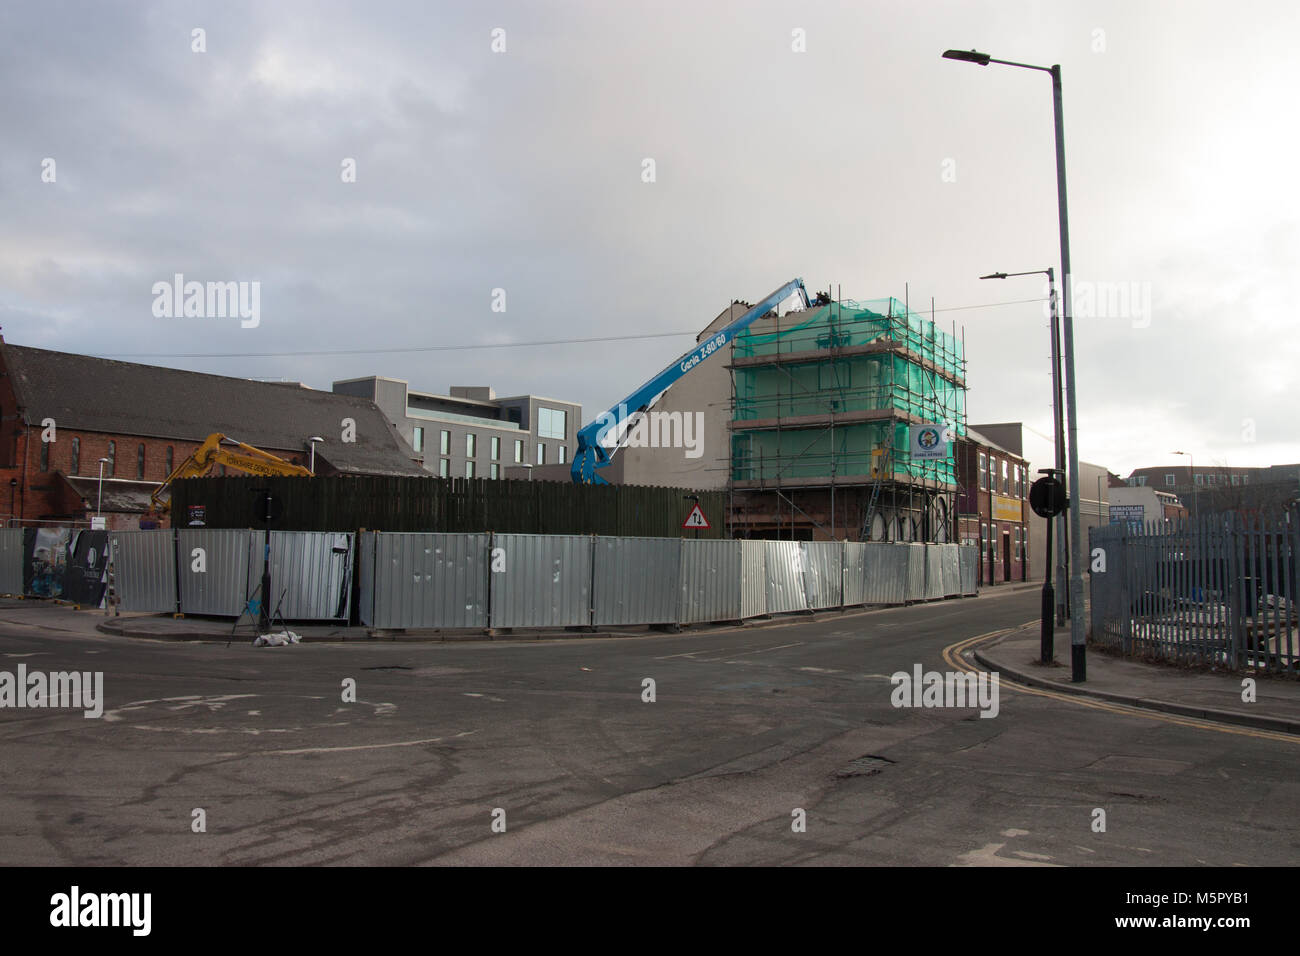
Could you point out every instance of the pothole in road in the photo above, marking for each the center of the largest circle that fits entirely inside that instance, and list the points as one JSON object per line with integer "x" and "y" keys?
{"x": 864, "y": 766}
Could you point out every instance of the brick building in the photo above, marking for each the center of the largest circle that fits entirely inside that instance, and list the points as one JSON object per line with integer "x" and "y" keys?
{"x": 992, "y": 507}
{"x": 60, "y": 413}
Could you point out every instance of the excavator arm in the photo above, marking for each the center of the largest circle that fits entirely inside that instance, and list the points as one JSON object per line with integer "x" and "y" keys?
{"x": 212, "y": 453}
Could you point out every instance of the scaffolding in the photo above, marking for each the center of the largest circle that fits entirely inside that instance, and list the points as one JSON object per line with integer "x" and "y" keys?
{"x": 828, "y": 400}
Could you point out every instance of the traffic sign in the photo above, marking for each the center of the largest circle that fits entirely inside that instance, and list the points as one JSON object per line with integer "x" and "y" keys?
{"x": 696, "y": 519}
{"x": 1047, "y": 497}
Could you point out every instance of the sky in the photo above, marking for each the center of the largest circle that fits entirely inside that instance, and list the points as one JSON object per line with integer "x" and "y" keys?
{"x": 417, "y": 176}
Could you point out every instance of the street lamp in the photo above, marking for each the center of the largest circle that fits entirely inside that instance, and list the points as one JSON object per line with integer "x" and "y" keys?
{"x": 314, "y": 439}
{"x": 1078, "y": 638}
{"x": 99, "y": 504}
{"x": 1196, "y": 508}
{"x": 1062, "y": 537}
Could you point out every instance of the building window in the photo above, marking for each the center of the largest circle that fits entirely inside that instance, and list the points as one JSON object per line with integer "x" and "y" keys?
{"x": 496, "y": 448}
{"x": 1169, "y": 481}
{"x": 1016, "y": 535}
{"x": 993, "y": 542}
{"x": 1200, "y": 479}
{"x": 541, "y": 454}
{"x": 1245, "y": 478}
{"x": 45, "y": 456}
{"x": 551, "y": 423}
{"x": 417, "y": 439}
{"x": 444, "y": 467}
{"x": 495, "y": 471}
{"x": 1142, "y": 481}
{"x": 171, "y": 456}
{"x": 76, "y": 457}
{"x": 1005, "y": 483}
{"x": 469, "y": 469}
{"x": 564, "y": 455}
{"x": 984, "y": 473}
{"x": 445, "y": 447}
{"x": 111, "y": 465}
{"x": 984, "y": 538}
{"x": 519, "y": 451}
{"x": 469, "y": 445}
{"x": 1019, "y": 481}
{"x": 139, "y": 460}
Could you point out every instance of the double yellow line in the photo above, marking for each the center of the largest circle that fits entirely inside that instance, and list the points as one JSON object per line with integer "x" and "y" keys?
{"x": 952, "y": 656}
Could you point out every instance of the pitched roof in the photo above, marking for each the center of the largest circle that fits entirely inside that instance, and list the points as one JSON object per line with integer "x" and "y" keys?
{"x": 92, "y": 394}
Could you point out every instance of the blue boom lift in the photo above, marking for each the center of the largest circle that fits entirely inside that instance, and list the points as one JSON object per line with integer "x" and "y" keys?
{"x": 592, "y": 455}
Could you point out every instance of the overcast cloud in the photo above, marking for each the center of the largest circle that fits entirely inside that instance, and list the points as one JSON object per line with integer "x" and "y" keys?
{"x": 522, "y": 170}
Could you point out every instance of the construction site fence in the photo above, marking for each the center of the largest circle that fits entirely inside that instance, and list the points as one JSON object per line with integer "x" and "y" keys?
{"x": 434, "y": 580}
{"x": 1220, "y": 590}
{"x": 479, "y": 581}
{"x": 219, "y": 572}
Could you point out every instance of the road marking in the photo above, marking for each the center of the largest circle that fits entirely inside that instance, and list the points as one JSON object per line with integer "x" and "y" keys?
{"x": 952, "y": 655}
{"x": 780, "y": 647}
{"x": 332, "y": 750}
{"x": 821, "y": 670}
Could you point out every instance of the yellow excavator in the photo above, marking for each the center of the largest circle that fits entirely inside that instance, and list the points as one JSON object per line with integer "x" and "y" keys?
{"x": 212, "y": 453}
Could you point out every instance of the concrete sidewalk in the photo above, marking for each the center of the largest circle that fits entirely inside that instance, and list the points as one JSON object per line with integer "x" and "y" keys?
{"x": 1210, "y": 695}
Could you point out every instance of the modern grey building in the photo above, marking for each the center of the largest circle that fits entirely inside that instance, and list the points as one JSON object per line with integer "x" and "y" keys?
{"x": 471, "y": 433}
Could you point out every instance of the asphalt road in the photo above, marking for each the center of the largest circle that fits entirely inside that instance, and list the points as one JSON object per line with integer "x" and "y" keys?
{"x": 748, "y": 726}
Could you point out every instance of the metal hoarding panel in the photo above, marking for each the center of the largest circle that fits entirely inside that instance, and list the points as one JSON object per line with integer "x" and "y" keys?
{"x": 753, "y": 579}
{"x": 311, "y": 574}
{"x": 366, "y": 577}
{"x": 886, "y": 572}
{"x": 950, "y": 572}
{"x": 636, "y": 580}
{"x": 822, "y": 573}
{"x": 430, "y": 580}
{"x": 970, "y": 559}
{"x": 546, "y": 581}
{"x": 144, "y": 570}
{"x": 785, "y": 576}
{"x": 711, "y": 580}
{"x": 916, "y": 568}
{"x": 12, "y": 549}
{"x": 221, "y": 587}
{"x": 934, "y": 583}
{"x": 855, "y": 581}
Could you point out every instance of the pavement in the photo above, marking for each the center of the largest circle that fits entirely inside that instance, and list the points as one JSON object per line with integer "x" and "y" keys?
{"x": 1169, "y": 688}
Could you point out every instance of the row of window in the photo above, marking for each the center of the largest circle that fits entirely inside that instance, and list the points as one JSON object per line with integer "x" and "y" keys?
{"x": 992, "y": 545}
{"x": 471, "y": 451}
{"x": 1013, "y": 477}
{"x": 1171, "y": 481}
{"x": 110, "y": 466}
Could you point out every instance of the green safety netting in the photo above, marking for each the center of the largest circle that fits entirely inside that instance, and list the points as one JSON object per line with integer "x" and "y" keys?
{"x": 836, "y": 384}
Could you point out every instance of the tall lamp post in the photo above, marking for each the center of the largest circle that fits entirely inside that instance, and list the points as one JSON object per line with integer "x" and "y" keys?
{"x": 1196, "y": 506}
{"x": 1078, "y": 636}
{"x": 314, "y": 439}
{"x": 99, "y": 503}
{"x": 1062, "y": 539}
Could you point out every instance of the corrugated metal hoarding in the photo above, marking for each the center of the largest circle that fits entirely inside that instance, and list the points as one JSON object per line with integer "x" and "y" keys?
{"x": 11, "y": 560}
{"x": 822, "y": 573}
{"x": 637, "y": 580}
{"x": 144, "y": 570}
{"x": 887, "y": 569}
{"x": 785, "y": 576}
{"x": 969, "y": 557}
{"x": 311, "y": 574}
{"x": 855, "y": 578}
{"x": 711, "y": 580}
{"x": 543, "y": 581}
{"x": 934, "y": 583}
{"x": 753, "y": 579}
{"x": 216, "y": 581}
{"x": 427, "y": 580}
